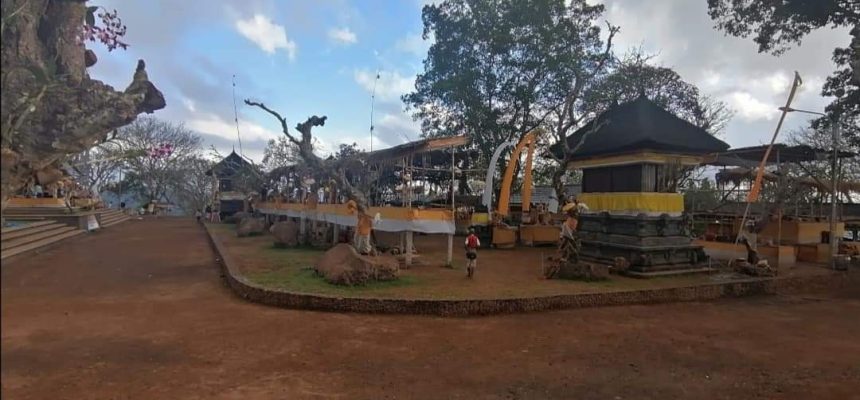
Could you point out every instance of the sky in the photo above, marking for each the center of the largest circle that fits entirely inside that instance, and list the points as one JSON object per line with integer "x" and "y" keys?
{"x": 320, "y": 57}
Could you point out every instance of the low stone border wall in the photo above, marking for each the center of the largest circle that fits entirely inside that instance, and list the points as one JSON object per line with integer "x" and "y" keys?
{"x": 280, "y": 298}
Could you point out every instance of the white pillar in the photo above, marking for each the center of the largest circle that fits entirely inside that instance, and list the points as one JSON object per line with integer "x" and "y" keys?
{"x": 408, "y": 248}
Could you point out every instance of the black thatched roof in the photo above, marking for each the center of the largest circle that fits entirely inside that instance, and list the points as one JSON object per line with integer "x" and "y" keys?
{"x": 641, "y": 125}
{"x": 229, "y": 165}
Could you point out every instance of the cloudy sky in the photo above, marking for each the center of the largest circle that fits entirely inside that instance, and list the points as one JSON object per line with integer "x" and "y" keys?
{"x": 307, "y": 57}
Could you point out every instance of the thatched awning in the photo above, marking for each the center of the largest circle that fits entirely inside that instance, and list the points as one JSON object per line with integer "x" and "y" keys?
{"x": 398, "y": 152}
{"x": 752, "y": 156}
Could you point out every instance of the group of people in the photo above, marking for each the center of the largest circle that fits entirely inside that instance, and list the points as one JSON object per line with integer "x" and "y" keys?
{"x": 211, "y": 214}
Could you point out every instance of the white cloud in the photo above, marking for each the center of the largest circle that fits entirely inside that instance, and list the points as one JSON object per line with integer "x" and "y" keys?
{"x": 267, "y": 35}
{"x": 189, "y": 104}
{"x": 390, "y": 87}
{"x": 749, "y": 107}
{"x": 414, "y": 43}
{"x": 400, "y": 125}
{"x": 330, "y": 142}
{"x": 213, "y": 124}
{"x": 342, "y": 36}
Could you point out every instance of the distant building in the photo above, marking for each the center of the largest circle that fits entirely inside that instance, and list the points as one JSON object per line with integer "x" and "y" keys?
{"x": 230, "y": 200}
{"x": 545, "y": 194}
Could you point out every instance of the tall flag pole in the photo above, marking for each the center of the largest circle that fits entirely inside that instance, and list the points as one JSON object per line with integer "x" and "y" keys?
{"x": 236, "y": 117}
{"x": 372, "y": 99}
{"x": 754, "y": 192}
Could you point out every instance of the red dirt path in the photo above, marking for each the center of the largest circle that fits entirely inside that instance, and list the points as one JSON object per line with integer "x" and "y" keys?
{"x": 139, "y": 312}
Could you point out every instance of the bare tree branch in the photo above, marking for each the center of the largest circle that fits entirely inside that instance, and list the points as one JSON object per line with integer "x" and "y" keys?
{"x": 280, "y": 119}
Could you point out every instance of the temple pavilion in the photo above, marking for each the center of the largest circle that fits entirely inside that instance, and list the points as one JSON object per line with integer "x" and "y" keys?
{"x": 632, "y": 158}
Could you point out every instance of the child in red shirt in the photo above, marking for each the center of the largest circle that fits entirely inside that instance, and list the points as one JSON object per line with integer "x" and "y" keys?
{"x": 472, "y": 244}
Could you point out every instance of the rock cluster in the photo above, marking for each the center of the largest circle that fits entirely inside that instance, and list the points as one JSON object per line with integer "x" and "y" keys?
{"x": 342, "y": 265}
{"x": 285, "y": 234}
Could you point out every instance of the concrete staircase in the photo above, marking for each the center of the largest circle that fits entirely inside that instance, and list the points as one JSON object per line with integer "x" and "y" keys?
{"x": 32, "y": 236}
{"x": 112, "y": 217}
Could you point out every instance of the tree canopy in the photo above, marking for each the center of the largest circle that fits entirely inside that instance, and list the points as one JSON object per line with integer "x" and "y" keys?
{"x": 635, "y": 75}
{"x": 499, "y": 67}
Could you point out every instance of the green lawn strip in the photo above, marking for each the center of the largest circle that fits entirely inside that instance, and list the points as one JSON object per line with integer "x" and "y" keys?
{"x": 291, "y": 269}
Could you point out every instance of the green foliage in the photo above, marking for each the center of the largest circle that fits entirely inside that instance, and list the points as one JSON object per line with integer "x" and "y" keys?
{"x": 635, "y": 75}
{"x": 778, "y": 23}
{"x": 846, "y": 105}
{"x": 498, "y": 67}
{"x": 279, "y": 153}
{"x": 700, "y": 195}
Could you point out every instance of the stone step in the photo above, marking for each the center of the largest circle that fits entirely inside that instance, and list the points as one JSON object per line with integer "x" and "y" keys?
{"x": 35, "y": 237}
{"x": 37, "y": 211}
{"x": 673, "y": 272}
{"x": 4, "y": 231}
{"x": 112, "y": 222}
{"x": 39, "y": 244}
{"x": 50, "y": 225}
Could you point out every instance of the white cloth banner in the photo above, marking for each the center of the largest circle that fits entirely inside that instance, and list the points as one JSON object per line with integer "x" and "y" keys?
{"x": 384, "y": 225}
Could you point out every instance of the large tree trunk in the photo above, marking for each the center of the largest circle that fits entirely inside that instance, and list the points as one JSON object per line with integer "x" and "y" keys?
{"x": 50, "y": 106}
{"x": 855, "y": 59}
{"x": 333, "y": 168}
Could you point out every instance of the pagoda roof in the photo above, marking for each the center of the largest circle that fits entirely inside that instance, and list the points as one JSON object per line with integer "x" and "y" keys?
{"x": 229, "y": 165}
{"x": 640, "y": 125}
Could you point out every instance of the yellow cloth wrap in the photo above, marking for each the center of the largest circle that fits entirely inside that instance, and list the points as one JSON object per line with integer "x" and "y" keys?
{"x": 634, "y": 202}
{"x": 480, "y": 219}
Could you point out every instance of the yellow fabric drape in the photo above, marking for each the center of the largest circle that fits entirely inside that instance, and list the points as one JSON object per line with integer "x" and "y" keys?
{"x": 634, "y": 202}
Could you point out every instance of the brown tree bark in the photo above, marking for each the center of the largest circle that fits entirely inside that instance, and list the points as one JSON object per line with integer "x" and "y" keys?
{"x": 333, "y": 168}
{"x": 50, "y": 106}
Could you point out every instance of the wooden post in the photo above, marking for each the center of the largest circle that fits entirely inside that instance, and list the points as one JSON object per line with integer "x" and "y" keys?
{"x": 336, "y": 235}
{"x": 450, "y": 251}
{"x": 453, "y": 212}
{"x": 302, "y": 226}
{"x": 408, "y": 248}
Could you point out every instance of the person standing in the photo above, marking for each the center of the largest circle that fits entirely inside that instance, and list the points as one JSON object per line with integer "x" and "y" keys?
{"x": 472, "y": 244}
{"x": 363, "y": 229}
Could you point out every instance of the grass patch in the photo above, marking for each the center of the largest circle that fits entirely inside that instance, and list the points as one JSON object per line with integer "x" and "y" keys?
{"x": 292, "y": 270}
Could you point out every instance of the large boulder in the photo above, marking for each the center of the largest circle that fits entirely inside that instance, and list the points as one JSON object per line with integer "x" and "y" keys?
{"x": 583, "y": 271}
{"x": 342, "y": 265}
{"x": 285, "y": 233}
{"x": 250, "y": 226}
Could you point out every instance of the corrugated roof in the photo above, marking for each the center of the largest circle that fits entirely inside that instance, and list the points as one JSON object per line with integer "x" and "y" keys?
{"x": 752, "y": 156}
{"x": 418, "y": 146}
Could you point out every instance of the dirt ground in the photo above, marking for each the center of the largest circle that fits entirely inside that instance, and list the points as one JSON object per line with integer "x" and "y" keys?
{"x": 139, "y": 312}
